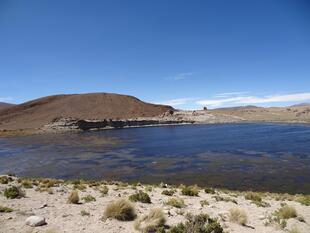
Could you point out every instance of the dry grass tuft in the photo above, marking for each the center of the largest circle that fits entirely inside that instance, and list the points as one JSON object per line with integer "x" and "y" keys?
{"x": 175, "y": 202}
{"x": 190, "y": 191}
{"x": 151, "y": 222}
{"x": 121, "y": 210}
{"x": 140, "y": 197}
{"x": 286, "y": 212}
{"x": 238, "y": 216}
{"x": 73, "y": 197}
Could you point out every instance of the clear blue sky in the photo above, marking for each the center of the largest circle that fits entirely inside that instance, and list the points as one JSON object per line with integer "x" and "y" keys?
{"x": 187, "y": 53}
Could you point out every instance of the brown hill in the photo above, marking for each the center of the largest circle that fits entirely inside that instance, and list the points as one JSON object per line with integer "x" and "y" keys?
{"x": 5, "y": 105}
{"x": 36, "y": 113}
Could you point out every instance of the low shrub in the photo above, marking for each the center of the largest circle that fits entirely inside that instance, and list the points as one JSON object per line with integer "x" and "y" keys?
{"x": 238, "y": 216}
{"x": 151, "y": 222}
{"x": 304, "y": 200}
{"x": 13, "y": 192}
{"x": 175, "y": 202}
{"x": 253, "y": 196}
{"x": 225, "y": 199}
{"x": 201, "y": 223}
{"x": 168, "y": 192}
{"x": 204, "y": 203}
{"x": 27, "y": 184}
{"x": 209, "y": 190}
{"x": 104, "y": 190}
{"x": 190, "y": 191}
{"x": 88, "y": 198}
{"x": 121, "y": 210}
{"x": 85, "y": 213}
{"x": 5, "y": 179}
{"x": 140, "y": 197}
{"x": 73, "y": 197}
{"x": 4, "y": 209}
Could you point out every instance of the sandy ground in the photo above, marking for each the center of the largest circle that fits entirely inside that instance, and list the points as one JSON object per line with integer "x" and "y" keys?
{"x": 63, "y": 217}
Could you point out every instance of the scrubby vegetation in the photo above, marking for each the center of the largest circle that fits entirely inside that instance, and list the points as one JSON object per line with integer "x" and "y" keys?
{"x": 4, "y": 209}
{"x": 256, "y": 199}
{"x": 190, "y": 190}
{"x": 121, "y": 210}
{"x": 13, "y": 192}
{"x": 225, "y": 199}
{"x": 140, "y": 197}
{"x": 104, "y": 190}
{"x": 168, "y": 192}
{"x": 73, "y": 197}
{"x": 304, "y": 200}
{"x": 27, "y": 184}
{"x": 201, "y": 223}
{"x": 175, "y": 202}
{"x": 204, "y": 203}
{"x": 286, "y": 212}
{"x": 88, "y": 198}
{"x": 84, "y": 213}
{"x": 209, "y": 190}
{"x": 238, "y": 216}
{"x": 5, "y": 179}
{"x": 151, "y": 222}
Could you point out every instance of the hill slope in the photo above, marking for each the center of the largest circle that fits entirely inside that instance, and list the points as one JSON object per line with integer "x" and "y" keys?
{"x": 36, "y": 113}
{"x": 5, "y": 105}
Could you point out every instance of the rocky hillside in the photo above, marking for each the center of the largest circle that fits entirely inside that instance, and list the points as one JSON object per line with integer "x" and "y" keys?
{"x": 36, "y": 113}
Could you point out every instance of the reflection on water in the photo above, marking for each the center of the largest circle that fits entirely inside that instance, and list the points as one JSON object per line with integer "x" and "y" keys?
{"x": 267, "y": 157}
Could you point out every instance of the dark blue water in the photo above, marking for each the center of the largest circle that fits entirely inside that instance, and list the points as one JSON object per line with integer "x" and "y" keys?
{"x": 265, "y": 157}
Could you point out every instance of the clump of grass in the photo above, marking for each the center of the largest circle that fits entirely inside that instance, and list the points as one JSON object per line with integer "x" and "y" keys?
{"x": 13, "y": 192}
{"x": 175, "y": 202}
{"x": 253, "y": 196}
{"x": 168, "y": 192}
{"x": 27, "y": 184}
{"x": 256, "y": 199}
{"x": 5, "y": 179}
{"x": 85, "y": 213}
{"x": 304, "y": 200}
{"x": 73, "y": 197}
{"x": 104, "y": 190}
{"x": 151, "y": 222}
{"x": 238, "y": 216}
{"x": 140, "y": 197}
{"x": 80, "y": 187}
{"x": 148, "y": 188}
{"x": 209, "y": 190}
{"x": 201, "y": 223}
{"x": 190, "y": 191}
{"x": 225, "y": 199}
{"x": 286, "y": 212}
{"x": 88, "y": 198}
{"x": 4, "y": 209}
{"x": 204, "y": 203}
{"x": 121, "y": 210}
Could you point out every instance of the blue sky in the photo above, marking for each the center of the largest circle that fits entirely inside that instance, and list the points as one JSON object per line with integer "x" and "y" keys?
{"x": 186, "y": 53}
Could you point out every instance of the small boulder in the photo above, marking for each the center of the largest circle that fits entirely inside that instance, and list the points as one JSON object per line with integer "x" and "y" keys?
{"x": 35, "y": 221}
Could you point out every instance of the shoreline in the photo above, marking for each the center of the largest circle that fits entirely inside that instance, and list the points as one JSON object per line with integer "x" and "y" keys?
{"x": 26, "y": 132}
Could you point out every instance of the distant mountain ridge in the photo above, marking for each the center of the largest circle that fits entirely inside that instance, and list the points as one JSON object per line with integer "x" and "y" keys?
{"x": 5, "y": 105}
{"x": 38, "y": 112}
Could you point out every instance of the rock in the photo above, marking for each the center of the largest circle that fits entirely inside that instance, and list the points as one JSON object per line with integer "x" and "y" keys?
{"x": 261, "y": 217}
{"x": 35, "y": 221}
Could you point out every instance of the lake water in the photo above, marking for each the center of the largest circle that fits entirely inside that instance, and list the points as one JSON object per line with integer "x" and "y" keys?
{"x": 264, "y": 157}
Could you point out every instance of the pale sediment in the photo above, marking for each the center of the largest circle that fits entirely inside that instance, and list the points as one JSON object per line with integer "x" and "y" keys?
{"x": 48, "y": 198}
